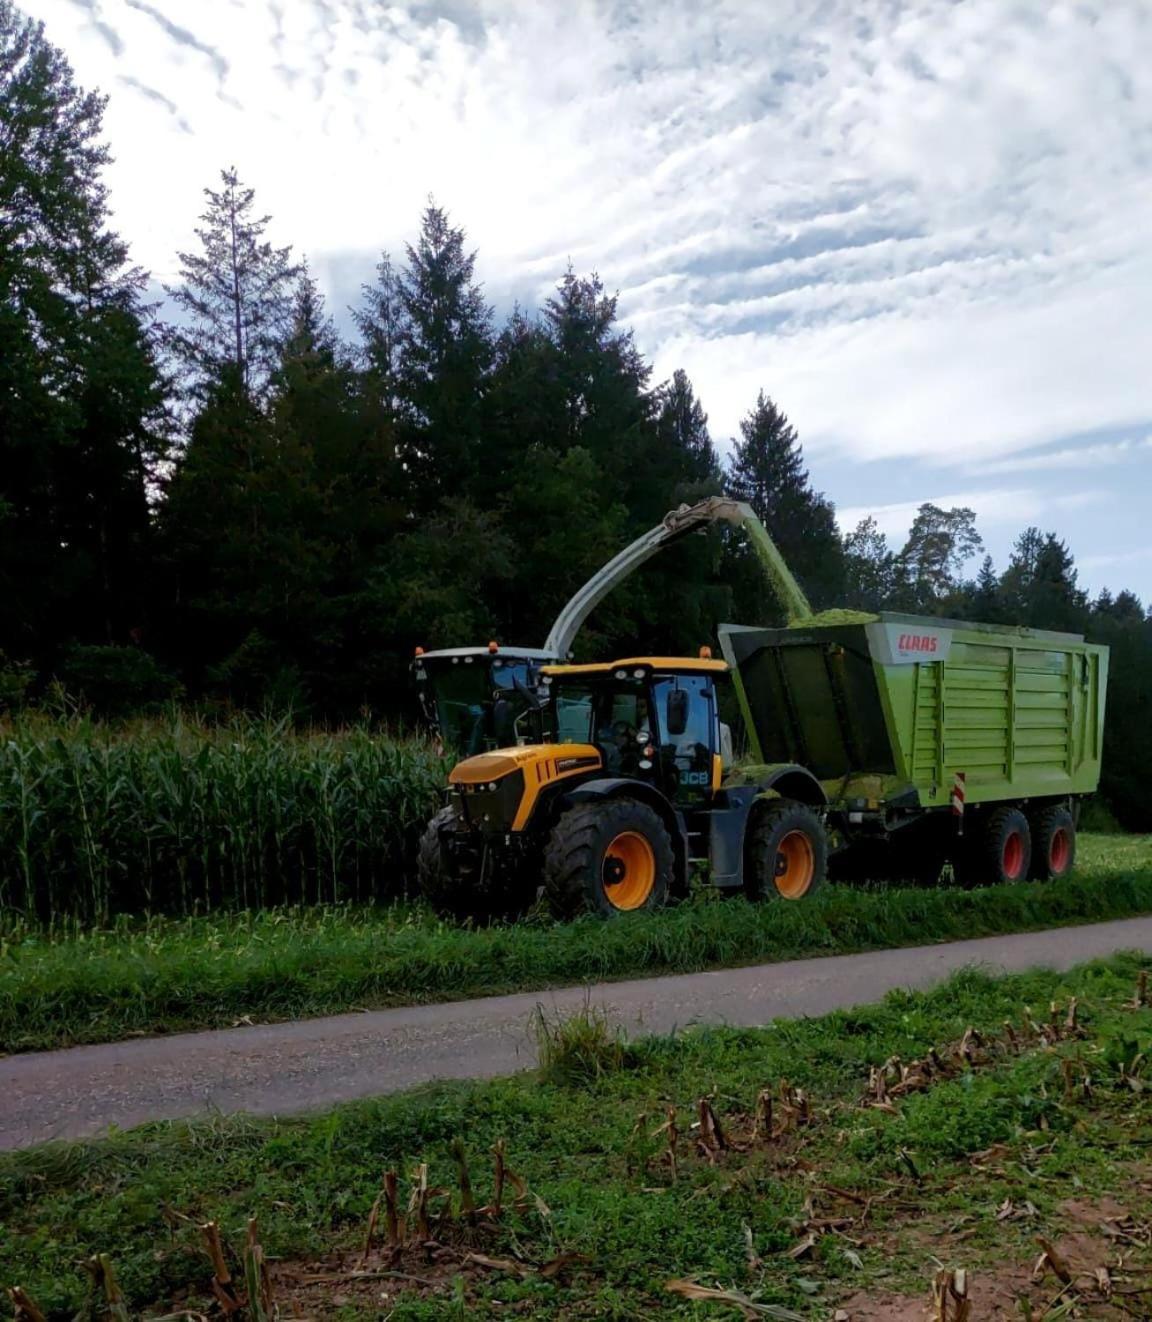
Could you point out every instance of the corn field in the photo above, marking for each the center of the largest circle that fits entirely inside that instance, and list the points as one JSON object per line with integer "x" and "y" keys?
{"x": 186, "y": 817}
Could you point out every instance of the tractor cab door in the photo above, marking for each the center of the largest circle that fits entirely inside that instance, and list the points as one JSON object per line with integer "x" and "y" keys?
{"x": 687, "y": 734}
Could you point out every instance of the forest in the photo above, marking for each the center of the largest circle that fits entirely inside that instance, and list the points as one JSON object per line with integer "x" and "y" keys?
{"x": 218, "y": 498}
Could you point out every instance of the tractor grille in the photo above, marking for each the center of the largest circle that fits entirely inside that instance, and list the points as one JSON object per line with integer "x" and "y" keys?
{"x": 492, "y": 811}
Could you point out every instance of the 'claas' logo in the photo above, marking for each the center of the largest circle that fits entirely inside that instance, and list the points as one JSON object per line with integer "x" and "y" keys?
{"x": 918, "y": 642}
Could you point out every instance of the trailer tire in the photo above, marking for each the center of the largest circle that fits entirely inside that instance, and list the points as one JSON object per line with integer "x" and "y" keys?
{"x": 453, "y": 892}
{"x": 608, "y": 857}
{"x": 787, "y": 854}
{"x": 1053, "y": 843}
{"x": 999, "y": 850}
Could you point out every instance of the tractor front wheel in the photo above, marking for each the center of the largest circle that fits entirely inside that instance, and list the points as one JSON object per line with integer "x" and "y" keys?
{"x": 448, "y": 881}
{"x": 608, "y": 857}
{"x": 787, "y": 855}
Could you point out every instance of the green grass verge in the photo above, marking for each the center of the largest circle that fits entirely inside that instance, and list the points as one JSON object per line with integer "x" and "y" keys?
{"x": 165, "y": 975}
{"x": 576, "y": 1137}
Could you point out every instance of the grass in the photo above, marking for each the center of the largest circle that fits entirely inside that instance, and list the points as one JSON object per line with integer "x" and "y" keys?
{"x": 70, "y": 984}
{"x": 861, "y": 1184}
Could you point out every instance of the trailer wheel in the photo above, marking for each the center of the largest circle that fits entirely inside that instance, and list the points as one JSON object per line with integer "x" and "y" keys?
{"x": 999, "y": 849}
{"x": 451, "y": 887}
{"x": 609, "y": 857}
{"x": 1053, "y": 844}
{"x": 787, "y": 854}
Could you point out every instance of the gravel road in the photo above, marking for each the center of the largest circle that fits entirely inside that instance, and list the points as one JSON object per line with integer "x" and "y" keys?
{"x": 281, "y": 1068}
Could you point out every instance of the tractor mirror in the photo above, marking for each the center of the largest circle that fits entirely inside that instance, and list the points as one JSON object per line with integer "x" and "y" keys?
{"x": 676, "y": 711}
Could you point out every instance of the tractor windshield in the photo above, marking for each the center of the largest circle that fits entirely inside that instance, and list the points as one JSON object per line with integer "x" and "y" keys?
{"x": 613, "y": 715}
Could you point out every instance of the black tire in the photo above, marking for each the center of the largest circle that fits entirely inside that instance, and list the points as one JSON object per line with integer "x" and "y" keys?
{"x": 1053, "y": 843}
{"x": 996, "y": 849}
{"x": 452, "y": 890}
{"x": 593, "y": 843}
{"x": 785, "y": 837}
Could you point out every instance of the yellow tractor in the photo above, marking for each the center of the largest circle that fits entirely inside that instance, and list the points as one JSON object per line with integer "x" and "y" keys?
{"x": 623, "y": 781}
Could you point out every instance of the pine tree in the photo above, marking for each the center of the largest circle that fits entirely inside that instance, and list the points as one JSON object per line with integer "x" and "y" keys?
{"x": 870, "y": 567}
{"x": 1016, "y": 581}
{"x": 380, "y": 319}
{"x": 767, "y": 470}
{"x": 685, "y": 445}
{"x": 602, "y": 380}
{"x": 939, "y": 545}
{"x": 986, "y": 602}
{"x": 443, "y": 356}
{"x": 235, "y": 294}
{"x": 1055, "y": 600}
{"x": 81, "y": 432}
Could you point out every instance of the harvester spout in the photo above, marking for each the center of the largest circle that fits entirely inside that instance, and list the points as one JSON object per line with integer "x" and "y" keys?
{"x": 676, "y": 524}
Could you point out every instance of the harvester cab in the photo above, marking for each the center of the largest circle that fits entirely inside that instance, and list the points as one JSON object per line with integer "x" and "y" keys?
{"x": 478, "y": 698}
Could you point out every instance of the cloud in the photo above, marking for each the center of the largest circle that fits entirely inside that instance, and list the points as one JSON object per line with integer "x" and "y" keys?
{"x": 1014, "y": 507}
{"x": 1110, "y": 559}
{"x": 1082, "y": 456}
{"x": 158, "y": 97}
{"x": 183, "y": 36}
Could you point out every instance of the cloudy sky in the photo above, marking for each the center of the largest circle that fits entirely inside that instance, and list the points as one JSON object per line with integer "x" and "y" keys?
{"x": 925, "y": 227}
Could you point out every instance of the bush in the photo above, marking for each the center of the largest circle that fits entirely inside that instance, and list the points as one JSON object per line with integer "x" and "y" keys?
{"x": 15, "y": 680}
{"x": 117, "y": 681}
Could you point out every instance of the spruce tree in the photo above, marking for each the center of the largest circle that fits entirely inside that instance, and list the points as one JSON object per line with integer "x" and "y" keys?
{"x": 235, "y": 294}
{"x": 81, "y": 434}
{"x": 767, "y": 470}
{"x": 443, "y": 356}
{"x": 684, "y": 443}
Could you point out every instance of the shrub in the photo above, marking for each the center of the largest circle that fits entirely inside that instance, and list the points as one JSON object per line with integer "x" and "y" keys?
{"x": 117, "y": 681}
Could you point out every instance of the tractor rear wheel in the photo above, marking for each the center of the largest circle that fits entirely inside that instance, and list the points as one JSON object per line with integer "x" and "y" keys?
{"x": 997, "y": 849}
{"x": 1053, "y": 844}
{"x": 449, "y": 884}
{"x": 787, "y": 854}
{"x": 608, "y": 857}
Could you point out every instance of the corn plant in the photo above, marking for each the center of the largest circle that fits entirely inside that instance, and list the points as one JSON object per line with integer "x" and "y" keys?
{"x": 183, "y": 816}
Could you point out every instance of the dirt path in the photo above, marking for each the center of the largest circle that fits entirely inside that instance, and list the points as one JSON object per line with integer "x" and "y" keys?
{"x": 280, "y": 1068}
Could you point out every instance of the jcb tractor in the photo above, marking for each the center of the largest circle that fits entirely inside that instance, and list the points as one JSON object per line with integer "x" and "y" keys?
{"x": 632, "y": 783}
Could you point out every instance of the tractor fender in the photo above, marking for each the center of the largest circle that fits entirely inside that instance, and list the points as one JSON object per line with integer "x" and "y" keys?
{"x": 788, "y": 780}
{"x": 616, "y": 787}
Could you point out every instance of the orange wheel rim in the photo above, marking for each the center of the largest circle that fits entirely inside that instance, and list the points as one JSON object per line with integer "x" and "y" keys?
{"x": 628, "y": 872}
{"x": 795, "y": 865}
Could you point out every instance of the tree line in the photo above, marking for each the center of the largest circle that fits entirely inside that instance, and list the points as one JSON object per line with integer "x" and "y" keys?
{"x": 225, "y": 499}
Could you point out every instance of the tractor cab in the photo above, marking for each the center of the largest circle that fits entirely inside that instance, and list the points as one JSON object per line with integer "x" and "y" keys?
{"x": 652, "y": 719}
{"x": 480, "y": 698}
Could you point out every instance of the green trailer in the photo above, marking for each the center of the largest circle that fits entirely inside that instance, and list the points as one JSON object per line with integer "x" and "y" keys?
{"x": 945, "y": 738}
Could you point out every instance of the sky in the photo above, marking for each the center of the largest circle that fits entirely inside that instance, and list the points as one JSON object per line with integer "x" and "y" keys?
{"x": 922, "y": 227}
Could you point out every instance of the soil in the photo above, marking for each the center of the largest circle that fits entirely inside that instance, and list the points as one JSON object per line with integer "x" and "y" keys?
{"x": 1101, "y": 1234}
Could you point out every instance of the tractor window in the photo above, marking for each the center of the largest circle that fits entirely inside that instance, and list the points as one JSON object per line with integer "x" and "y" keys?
{"x": 686, "y": 757}
{"x": 573, "y": 719}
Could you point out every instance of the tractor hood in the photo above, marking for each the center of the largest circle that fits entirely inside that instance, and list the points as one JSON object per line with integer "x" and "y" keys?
{"x": 543, "y": 762}
{"x": 499, "y": 791}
